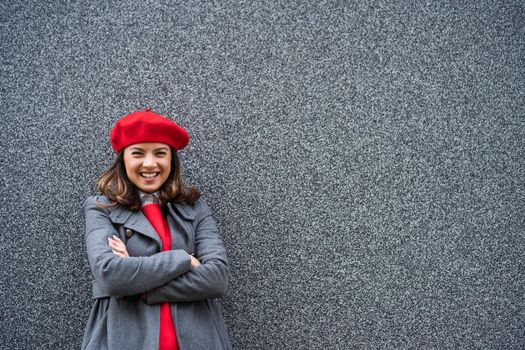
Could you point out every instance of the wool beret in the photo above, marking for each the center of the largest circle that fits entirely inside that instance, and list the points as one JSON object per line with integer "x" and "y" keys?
{"x": 146, "y": 126}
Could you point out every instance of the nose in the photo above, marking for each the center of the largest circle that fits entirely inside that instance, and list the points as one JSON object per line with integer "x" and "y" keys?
{"x": 149, "y": 161}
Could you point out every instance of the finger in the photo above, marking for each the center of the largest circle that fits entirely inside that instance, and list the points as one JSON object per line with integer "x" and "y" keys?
{"x": 113, "y": 244}
{"x": 118, "y": 253}
{"x": 195, "y": 261}
{"x": 116, "y": 238}
{"x": 121, "y": 247}
{"x": 117, "y": 246}
{"x": 116, "y": 243}
{"x": 121, "y": 254}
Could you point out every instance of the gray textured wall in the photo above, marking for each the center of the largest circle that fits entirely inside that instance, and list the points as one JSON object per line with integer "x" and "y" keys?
{"x": 364, "y": 160}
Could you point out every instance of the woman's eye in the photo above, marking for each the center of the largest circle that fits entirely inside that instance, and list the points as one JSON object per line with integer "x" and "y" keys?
{"x": 161, "y": 154}
{"x": 136, "y": 153}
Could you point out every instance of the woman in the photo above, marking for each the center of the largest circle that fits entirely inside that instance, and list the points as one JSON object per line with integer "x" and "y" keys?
{"x": 157, "y": 260}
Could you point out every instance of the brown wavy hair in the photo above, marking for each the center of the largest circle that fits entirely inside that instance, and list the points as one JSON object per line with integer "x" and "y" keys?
{"x": 116, "y": 186}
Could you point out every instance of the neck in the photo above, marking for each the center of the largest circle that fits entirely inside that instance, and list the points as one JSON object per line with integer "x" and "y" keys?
{"x": 149, "y": 198}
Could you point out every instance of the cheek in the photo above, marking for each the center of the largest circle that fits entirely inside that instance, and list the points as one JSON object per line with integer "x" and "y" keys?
{"x": 167, "y": 164}
{"x": 167, "y": 167}
{"x": 129, "y": 172}
{"x": 129, "y": 166}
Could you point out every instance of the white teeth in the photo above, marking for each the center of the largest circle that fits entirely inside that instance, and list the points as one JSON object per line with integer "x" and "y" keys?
{"x": 149, "y": 174}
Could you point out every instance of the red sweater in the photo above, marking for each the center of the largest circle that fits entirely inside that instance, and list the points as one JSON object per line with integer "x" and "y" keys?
{"x": 168, "y": 336}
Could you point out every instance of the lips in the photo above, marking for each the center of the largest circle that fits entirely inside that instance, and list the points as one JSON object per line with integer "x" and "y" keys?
{"x": 149, "y": 178}
{"x": 149, "y": 175}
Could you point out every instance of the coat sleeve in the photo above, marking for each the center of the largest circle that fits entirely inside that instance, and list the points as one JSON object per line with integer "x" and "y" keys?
{"x": 210, "y": 279}
{"x": 131, "y": 275}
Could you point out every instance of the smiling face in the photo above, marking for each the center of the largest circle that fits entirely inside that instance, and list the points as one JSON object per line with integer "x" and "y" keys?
{"x": 148, "y": 165}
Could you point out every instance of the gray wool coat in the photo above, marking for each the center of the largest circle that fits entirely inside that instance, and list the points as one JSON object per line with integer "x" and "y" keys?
{"x": 127, "y": 292}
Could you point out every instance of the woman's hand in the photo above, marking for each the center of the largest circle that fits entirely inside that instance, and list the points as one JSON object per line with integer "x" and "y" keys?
{"x": 118, "y": 247}
{"x": 194, "y": 262}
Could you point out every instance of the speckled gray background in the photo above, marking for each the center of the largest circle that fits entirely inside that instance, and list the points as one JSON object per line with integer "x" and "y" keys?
{"x": 365, "y": 162}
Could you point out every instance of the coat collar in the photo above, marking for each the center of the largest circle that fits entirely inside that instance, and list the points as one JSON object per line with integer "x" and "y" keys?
{"x": 121, "y": 215}
{"x": 184, "y": 209}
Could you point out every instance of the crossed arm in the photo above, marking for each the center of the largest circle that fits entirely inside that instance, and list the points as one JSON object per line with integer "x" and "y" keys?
{"x": 169, "y": 276}
{"x": 119, "y": 249}
{"x": 208, "y": 277}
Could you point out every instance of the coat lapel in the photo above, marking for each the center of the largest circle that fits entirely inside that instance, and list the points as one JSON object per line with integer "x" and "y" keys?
{"x": 135, "y": 221}
{"x": 183, "y": 215}
{"x": 185, "y": 210}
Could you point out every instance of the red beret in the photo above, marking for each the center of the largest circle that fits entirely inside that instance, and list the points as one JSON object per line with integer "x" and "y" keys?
{"x": 147, "y": 126}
